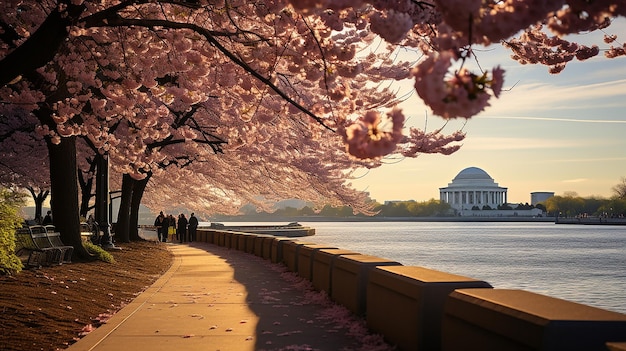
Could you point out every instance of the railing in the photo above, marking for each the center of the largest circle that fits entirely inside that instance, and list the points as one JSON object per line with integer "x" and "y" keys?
{"x": 417, "y": 308}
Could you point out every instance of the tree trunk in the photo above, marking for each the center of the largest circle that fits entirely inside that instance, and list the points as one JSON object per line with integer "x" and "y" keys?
{"x": 86, "y": 187}
{"x": 103, "y": 200}
{"x": 138, "y": 190}
{"x": 85, "y": 180}
{"x": 39, "y": 199}
{"x": 123, "y": 215}
{"x": 64, "y": 194}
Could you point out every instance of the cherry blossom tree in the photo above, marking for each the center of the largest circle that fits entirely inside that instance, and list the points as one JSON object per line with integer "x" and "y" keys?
{"x": 260, "y": 170}
{"x": 122, "y": 73}
{"x": 295, "y": 164}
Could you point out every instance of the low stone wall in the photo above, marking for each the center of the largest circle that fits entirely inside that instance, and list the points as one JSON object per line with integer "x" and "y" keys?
{"x": 414, "y": 304}
{"x": 417, "y": 308}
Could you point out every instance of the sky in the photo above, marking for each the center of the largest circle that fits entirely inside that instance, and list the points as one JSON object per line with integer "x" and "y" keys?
{"x": 557, "y": 133}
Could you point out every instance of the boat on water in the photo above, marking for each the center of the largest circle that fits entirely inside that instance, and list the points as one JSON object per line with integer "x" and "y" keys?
{"x": 293, "y": 229}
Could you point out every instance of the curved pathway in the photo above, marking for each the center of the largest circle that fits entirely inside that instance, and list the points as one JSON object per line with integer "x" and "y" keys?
{"x": 214, "y": 298}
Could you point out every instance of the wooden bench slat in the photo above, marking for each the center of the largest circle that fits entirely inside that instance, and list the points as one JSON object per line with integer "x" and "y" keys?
{"x": 43, "y": 245}
{"x": 36, "y": 256}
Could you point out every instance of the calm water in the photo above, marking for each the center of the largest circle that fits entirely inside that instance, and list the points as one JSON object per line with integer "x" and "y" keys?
{"x": 581, "y": 263}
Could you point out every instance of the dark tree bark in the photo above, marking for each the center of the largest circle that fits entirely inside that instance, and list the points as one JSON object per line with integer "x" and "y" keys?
{"x": 102, "y": 200}
{"x": 42, "y": 45}
{"x": 86, "y": 187}
{"x": 64, "y": 194}
{"x": 128, "y": 215}
{"x": 138, "y": 190}
{"x": 122, "y": 226}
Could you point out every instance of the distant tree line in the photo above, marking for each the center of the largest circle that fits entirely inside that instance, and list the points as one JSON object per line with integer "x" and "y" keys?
{"x": 410, "y": 208}
{"x": 567, "y": 205}
{"x": 509, "y": 207}
{"x": 572, "y": 205}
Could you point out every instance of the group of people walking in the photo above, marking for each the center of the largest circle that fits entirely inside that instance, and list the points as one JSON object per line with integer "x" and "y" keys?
{"x": 181, "y": 229}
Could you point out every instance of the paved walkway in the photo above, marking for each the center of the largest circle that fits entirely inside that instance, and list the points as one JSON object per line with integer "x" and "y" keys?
{"x": 214, "y": 298}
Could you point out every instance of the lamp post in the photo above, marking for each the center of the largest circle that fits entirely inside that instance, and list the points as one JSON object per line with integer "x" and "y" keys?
{"x": 102, "y": 201}
{"x": 111, "y": 198}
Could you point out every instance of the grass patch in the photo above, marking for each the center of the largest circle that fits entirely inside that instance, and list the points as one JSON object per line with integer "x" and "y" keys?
{"x": 101, "y": 253}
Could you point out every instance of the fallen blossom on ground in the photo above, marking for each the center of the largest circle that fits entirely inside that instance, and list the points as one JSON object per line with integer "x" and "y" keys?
{"x": 86, "y": 330}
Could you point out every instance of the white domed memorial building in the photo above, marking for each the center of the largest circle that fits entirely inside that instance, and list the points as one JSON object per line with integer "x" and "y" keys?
{"x": 474, "y": 193}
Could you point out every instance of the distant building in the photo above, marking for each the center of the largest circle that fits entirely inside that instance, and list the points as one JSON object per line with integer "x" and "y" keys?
{"x": 540, "y": 196}
{"x": 474, "y": 193}
{"x": 473, "y": 187}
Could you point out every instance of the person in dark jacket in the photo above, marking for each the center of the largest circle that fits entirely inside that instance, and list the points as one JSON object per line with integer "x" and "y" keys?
{"x": 47, "y": 219}
{"x": 192, "y": 228}
{"x": 182, "y": 228}
{"x": 161, "y": 225}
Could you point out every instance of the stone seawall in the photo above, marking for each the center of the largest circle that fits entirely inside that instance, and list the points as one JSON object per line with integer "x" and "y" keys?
{"x": 591, "y": 221}
{"x": 416, "y": 308}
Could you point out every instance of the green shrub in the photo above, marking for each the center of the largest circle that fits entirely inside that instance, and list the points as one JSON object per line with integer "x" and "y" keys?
{"x": 101, "y": 253}
{"x": 10, "y": 220}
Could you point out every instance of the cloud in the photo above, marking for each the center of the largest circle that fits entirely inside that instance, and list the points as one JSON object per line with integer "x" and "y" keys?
{"x": 548, "y": 98}
{"x": 513, "y": 143}
{"x": 589, "y": 159}
{"x": 584, "y": 92}
{"x": 556, "y": 119}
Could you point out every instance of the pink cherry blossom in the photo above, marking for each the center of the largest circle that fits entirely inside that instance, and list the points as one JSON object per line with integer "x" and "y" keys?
{"x": 372, "y": 136}
{"x": 247, "y": 101}
{"x": 454, "y": 94}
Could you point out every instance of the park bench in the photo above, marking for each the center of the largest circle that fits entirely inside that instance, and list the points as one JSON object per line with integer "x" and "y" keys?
{"x": 55, "y": 239}
{"x": 37, "y": 256}
{"x": 42, "y": 242}
{"x": 43, "y": 245}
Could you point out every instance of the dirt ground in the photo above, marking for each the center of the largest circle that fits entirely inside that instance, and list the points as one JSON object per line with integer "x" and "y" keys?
{"x": 49, "y": 308}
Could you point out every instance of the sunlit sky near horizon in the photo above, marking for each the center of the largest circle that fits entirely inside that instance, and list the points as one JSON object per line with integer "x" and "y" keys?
{"x": 557, "y": 133}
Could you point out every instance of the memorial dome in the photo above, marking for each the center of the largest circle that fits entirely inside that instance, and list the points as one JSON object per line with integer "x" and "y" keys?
{"x": 473, "y": 188}
{"x": 472, "y": 173}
